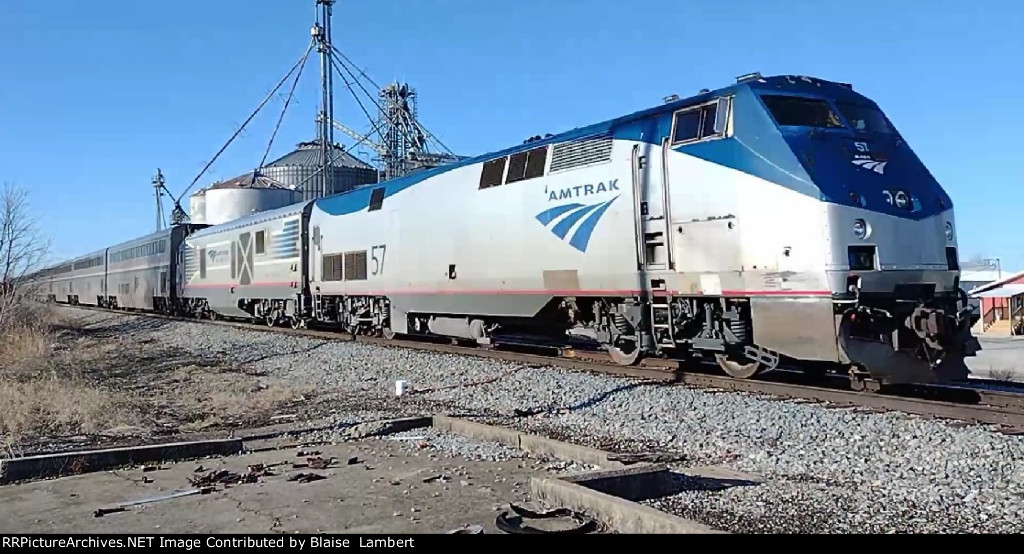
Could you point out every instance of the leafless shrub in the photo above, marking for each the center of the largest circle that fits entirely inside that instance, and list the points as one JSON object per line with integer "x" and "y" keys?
{"x": 23, "y": 248}
{"x": 41, "y": 392}
{"x": 1004, "y": 374}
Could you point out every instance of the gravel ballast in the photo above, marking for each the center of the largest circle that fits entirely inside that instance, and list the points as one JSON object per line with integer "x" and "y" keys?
{"x": 820, "y": 469}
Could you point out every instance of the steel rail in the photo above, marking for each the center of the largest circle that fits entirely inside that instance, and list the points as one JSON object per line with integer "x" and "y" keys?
{"x": 974, "y": 405}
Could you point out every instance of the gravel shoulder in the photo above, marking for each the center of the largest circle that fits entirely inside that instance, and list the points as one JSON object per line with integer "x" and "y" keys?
{"x": 824, "y": 470}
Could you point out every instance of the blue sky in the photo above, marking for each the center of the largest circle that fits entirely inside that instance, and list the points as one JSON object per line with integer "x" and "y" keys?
{"x": 94, "y": 96}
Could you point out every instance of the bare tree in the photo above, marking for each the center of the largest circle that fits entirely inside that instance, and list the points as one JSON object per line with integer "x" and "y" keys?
{"x": 22, "y": 251}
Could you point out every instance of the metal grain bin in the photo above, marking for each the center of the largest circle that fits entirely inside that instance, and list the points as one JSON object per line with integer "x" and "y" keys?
{"x": 242, "y": 196}
{"x": 197, "y": 207}
{"x": 301, "y": 169}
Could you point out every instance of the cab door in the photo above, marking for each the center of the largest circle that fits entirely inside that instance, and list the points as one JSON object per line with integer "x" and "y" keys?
{"x": 652, "y": 205}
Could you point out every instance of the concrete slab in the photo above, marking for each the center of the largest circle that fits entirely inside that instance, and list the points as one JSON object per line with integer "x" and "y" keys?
{"x": 609, "y": 496}
{"x": 73, "y": 463}
{"x": 635, "y": 483}
{"x": 623, "y": 515}
{"x": 531, "y": 444}
{"x": 392, "y": 489}
{"x": 999, "y": 358}
{"x": 375, "y": 486}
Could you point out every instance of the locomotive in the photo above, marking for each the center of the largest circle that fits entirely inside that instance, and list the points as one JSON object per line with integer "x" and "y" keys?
{"x": 778, "y": 222}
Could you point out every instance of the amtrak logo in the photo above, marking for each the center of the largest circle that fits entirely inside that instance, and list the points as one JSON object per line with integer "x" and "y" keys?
{"x": 566, "y": 216}
{"x": 867, "y": 163}
{"x": 578, "y": 191}
{"x": 864, "y": 159}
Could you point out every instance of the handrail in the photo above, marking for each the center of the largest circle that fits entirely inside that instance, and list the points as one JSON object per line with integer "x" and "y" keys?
{"x": 989, "y": 316}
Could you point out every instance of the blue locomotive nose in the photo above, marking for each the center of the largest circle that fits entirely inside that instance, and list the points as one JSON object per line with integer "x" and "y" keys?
{"x": 855, "y": 156}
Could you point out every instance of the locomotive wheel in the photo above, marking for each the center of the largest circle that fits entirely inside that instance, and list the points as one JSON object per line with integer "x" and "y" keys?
{"x": 296, "y": 322}
{"x": 388, "y": 333}
{"x": 744, "y": 369}
{"x": 624, "y": 352}
{"x": 271, "y": 319}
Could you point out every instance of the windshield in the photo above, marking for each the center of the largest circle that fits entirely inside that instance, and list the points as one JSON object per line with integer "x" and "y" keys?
{"x": 801, "y": 112}
{"x": 864, "y": 118}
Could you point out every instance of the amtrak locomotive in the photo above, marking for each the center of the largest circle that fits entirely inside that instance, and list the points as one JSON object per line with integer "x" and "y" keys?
{"x": 777, "y": 222}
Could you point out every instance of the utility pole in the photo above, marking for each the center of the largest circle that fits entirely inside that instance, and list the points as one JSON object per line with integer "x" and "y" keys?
{"x": 158, "y": 191}
{"x": 322, "y": 33}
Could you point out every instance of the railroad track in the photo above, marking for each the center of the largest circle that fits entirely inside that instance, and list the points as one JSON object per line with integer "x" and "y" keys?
{"x": 963, "y": 402}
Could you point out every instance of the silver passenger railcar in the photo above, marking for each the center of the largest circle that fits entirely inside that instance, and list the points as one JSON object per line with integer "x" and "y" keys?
{"x": 140, "y": 271}
{"x": 80, "y": 281}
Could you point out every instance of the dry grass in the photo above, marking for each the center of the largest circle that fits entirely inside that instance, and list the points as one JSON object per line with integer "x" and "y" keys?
{"x": 1007, "y": 375}
{"x": 60, "y": 379}
{"x": 42, "y": 393}
{"x": 217, "y": 396}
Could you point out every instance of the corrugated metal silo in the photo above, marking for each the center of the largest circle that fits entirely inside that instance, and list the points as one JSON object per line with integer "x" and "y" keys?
{"x": 197, "y": 207}
{"x": 242, "y": 196}
{"x": 301, "y": 169}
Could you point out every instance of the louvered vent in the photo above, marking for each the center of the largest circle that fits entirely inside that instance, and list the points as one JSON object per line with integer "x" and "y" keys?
{"x": 581, "y": 152}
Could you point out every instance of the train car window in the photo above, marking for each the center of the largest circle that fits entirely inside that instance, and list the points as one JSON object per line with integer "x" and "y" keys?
{"x": 261, "y": 242}
{"x": 708, "y": 116}
{"x": 376, "y": 199}
{"x": 801, "y": 112}
{"x": 535, "y": 162}
{"x": 865, "y": 118}
{"x": 492, "y": 173}
{"x": 355, "y": 266}
{"x": 332, "y": 267}
{"x": 687, "y": 126}
{"x": 516, "y": 167}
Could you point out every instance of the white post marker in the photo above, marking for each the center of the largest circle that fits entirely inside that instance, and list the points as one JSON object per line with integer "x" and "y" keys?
{"x": 400, "y": 386}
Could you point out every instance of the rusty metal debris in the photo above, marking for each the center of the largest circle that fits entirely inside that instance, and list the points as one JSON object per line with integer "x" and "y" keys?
{"x": 302, "y": 453}
{"x": 306, "y": 477}
{"x": 214, "y": 477}
{"x": 354, "y": 460}
{"x": 226, "y": 477}
{"x": 314, "y": 463}
{"x": 558, "y": 521}
{"x": 319, "y": 463}
{"x": 539, "y": 514}
{"x": 124, "y": 505}
{"x": 467, "y": 530}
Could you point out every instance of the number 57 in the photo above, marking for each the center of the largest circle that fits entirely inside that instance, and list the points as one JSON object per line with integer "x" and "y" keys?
{"x": 377, "y": 253}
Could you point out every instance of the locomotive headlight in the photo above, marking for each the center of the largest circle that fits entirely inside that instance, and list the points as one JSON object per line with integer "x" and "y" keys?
{"x": 901, "y": 200}
{"x": 860, "y": 229}
{"x": 949, "y": 231}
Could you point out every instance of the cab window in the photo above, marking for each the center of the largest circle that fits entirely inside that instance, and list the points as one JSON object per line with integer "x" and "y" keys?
{"x": 865, "y": 118}
{"x": 801, "y": 112}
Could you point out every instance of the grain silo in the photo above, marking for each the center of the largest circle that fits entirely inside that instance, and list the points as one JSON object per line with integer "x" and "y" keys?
{"x": 244, "y": 195}
{"x": 302, "y": 169}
